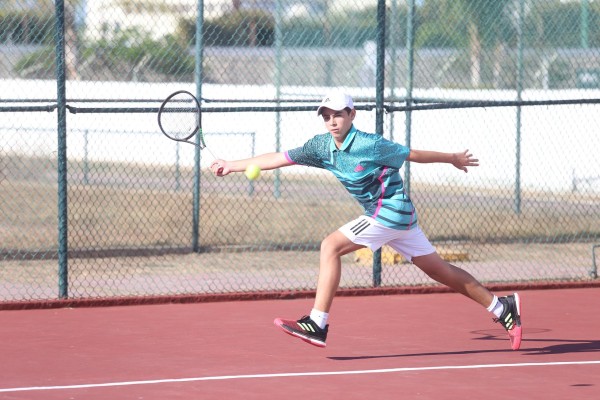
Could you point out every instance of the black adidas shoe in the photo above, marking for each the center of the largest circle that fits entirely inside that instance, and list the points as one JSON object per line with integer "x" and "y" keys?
{"x": 511, "y": 319}
{"x": 305, "y": 329}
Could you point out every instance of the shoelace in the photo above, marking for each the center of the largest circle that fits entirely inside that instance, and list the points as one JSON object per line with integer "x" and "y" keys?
{"x": 508, "y": 323}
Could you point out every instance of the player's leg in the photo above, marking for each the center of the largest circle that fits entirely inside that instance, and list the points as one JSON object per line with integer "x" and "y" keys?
{"x": 458, "y": 279}
{"x": 313, "y": 328}
{"x": 507, "y": 309}
{"x": 333, "y": 247}
{"x": 415, "y": 246}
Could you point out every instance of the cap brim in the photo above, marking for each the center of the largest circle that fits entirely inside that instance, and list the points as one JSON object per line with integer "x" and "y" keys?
{"x": 320, "y": 109}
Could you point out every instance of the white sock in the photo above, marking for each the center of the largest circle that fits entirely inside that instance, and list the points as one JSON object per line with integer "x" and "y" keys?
{"x": 319, "y": 317}
{"x": 496, "y": 307}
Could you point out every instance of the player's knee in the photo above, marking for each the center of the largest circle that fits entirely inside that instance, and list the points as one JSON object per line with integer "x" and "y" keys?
{"x": 327, "y": 245}
{"x": 330, "y": 246}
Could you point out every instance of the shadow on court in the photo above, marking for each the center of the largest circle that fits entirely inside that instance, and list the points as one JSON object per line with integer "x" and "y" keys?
{"x": 563, "y": 346}
{"x": 570, "y": 347}
{"x": 573, "y": 346}
{"x": 437, "y": 353}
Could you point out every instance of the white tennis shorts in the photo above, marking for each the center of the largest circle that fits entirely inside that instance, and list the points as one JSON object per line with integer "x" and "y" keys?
{"x": 368, "y": 232}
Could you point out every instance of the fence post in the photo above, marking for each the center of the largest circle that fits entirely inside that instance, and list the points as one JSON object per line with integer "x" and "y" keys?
{"x": 252, "y": 154}
{"x": 199, "y": 56}
{"x": 392, "y": 58}
{"x": 519, "y": 25}
{"x": 86, "y": 163}
{"x": 585, "y": 24}
{"x": 278, "y": 77}
{"x": 410, "y": 18}
{"x": 594, "y": 270}
{"x": 63, "y": 281}
{"x": 379, "y": 109}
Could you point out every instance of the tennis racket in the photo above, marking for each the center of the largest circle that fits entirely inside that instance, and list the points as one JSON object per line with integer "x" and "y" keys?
{"x": 180, "y": 119}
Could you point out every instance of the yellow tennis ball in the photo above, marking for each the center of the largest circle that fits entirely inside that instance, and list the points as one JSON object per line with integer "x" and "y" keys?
{"x": 252, "y": 172}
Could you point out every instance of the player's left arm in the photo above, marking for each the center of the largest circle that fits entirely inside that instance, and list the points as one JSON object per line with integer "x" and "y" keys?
{"x": 460, "y": 160}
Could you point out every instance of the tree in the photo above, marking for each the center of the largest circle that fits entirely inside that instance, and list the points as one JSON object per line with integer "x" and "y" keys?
{"x": 441, "y": 24}
{"x": 71, "y": 43}
{"x": 488, "y": 26}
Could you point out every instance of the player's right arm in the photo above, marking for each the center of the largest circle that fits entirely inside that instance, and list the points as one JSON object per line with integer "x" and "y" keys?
{"x": 460, "y": 160}
{"x": 264, "y": 162}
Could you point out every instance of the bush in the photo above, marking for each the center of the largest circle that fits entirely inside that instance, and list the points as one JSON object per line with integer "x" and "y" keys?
{"x": 121, "y": 53}
{"x": 167, "y": 56}
{"x": 560, "y": 75}
{"x": 240, "y": 28}
{"x": 26, "y": 27}
{"x": 171, "y": 58}
{"x": 44, "y": 59}
{"x": 436, "y": 36}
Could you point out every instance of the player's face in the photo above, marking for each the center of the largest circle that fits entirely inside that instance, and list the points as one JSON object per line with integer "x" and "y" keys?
{"x": 338, "y": 123}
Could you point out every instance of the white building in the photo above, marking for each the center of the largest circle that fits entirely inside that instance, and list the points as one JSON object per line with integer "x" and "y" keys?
{"x": 102, "y": 18}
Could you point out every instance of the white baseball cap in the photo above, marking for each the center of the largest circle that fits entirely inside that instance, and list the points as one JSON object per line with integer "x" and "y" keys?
{"x": 336, "y": 101}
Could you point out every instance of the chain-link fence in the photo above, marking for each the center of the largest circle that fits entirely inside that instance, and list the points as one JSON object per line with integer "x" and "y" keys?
{"x": 96, "y": 203}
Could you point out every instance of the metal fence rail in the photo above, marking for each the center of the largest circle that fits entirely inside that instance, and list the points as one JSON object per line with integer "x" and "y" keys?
{"x": 95, "y": 203}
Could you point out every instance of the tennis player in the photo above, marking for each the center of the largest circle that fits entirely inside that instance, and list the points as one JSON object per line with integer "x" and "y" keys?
{"x": 368, "y": 166}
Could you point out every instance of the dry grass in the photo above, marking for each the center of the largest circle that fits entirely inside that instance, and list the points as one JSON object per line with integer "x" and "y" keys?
{"x": 133, "y": 206}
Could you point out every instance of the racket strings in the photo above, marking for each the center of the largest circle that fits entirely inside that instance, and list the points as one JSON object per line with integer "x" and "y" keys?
{"x": 179, "y": 117}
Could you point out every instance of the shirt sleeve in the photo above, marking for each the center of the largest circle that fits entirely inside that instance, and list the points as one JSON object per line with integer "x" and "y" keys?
{"x": 312, "y": 153}
{"x": 391, "y": 154}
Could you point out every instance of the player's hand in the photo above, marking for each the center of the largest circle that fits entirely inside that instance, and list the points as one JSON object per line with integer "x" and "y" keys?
{"x": 464, "y": 160}
{"x": 219, "y": 168}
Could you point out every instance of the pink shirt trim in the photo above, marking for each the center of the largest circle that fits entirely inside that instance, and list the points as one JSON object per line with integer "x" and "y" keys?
{"x": 287, "y": 157}
{"x": 380, "y": 201}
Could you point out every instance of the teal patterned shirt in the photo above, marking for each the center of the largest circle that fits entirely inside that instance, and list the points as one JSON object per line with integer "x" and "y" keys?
{"x": 368, "y": 166}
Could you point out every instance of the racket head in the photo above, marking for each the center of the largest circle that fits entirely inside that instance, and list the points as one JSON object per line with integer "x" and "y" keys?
{"x": 180, "y": 117}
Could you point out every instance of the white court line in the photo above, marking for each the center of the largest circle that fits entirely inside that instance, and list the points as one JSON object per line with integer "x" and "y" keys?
{"x": 292, "y": 374}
